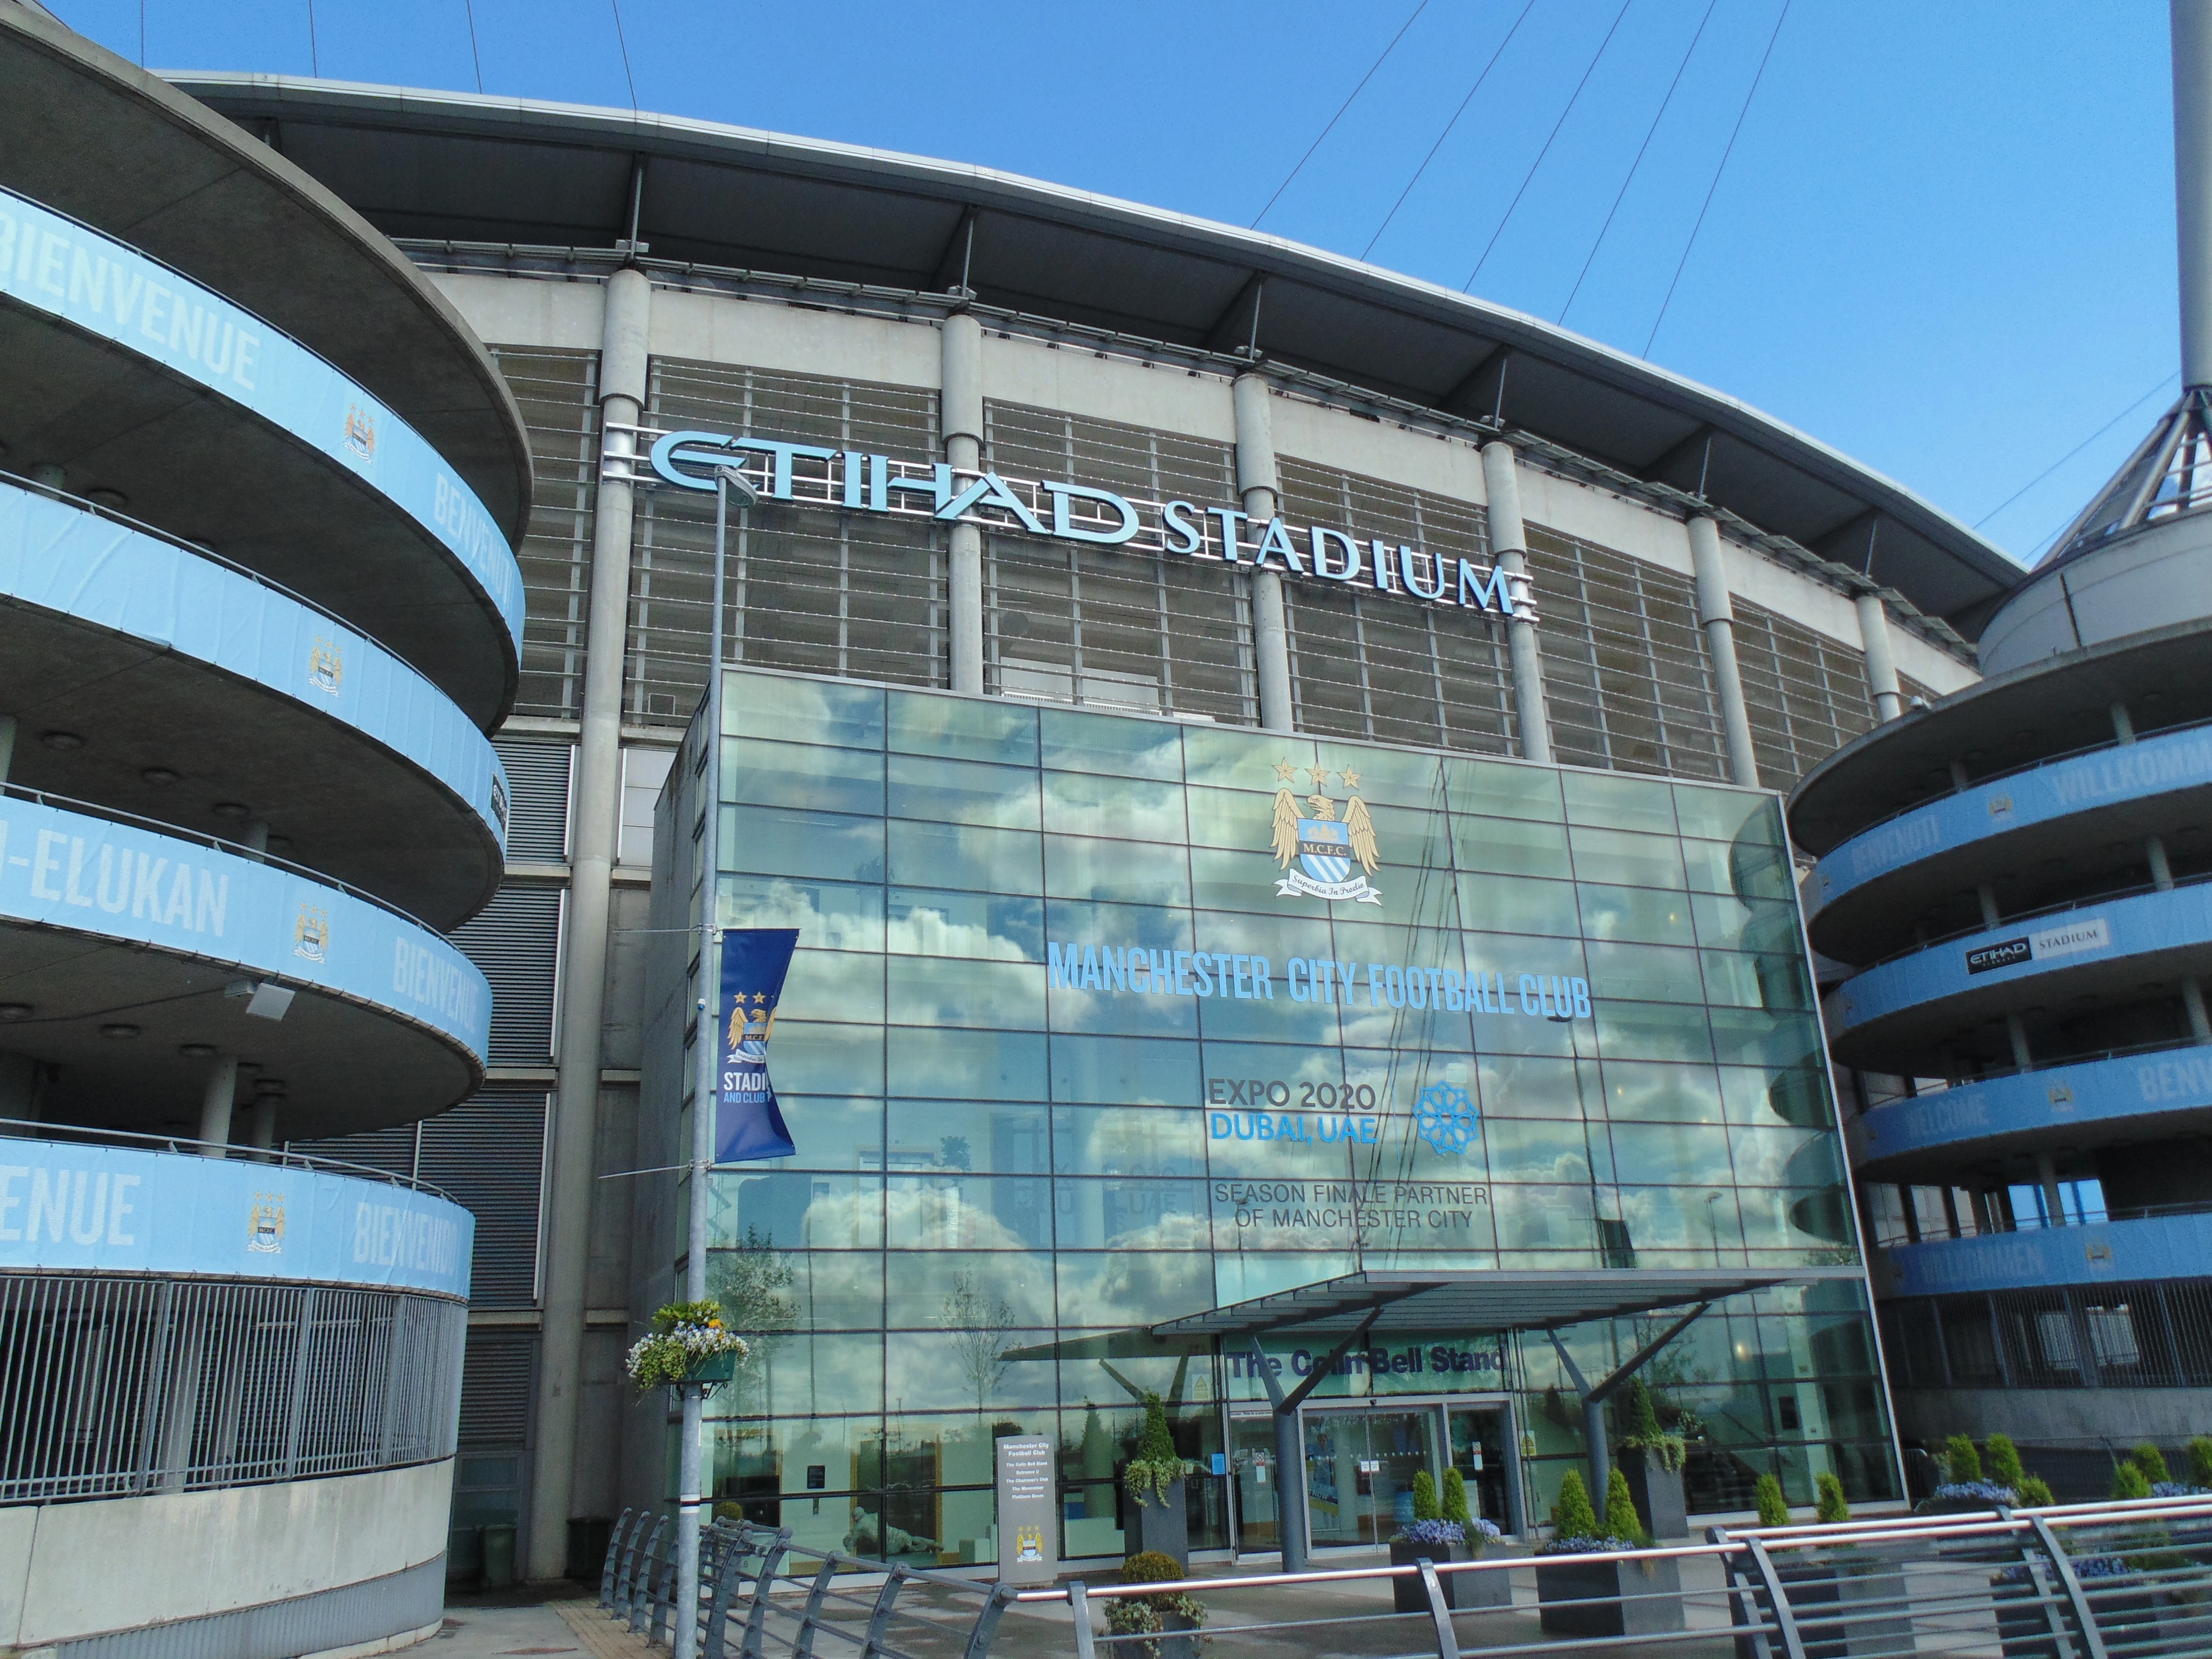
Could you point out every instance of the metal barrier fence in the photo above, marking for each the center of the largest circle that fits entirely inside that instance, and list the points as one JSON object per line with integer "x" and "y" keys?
{"x": 2103, "y": 1580}
{"x": 114, "y": 1386}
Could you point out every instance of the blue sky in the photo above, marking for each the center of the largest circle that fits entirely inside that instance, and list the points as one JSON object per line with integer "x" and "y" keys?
{"x": 1944, "y": 243}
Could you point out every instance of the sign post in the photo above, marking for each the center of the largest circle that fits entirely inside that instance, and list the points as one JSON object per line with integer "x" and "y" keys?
{"x": 1029, "y": 1528}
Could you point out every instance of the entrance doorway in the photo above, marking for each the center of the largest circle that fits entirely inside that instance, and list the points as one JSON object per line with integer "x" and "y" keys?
{"x": 1361, "y": 1460}
{"x": 1360, "y": 1466}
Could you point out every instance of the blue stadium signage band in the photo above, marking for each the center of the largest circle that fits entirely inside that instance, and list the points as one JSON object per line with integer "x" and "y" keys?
{"x": 852, "y": 481}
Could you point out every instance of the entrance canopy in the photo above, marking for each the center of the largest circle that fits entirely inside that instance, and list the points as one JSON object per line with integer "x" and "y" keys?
{"x": 1465, "y": 1299}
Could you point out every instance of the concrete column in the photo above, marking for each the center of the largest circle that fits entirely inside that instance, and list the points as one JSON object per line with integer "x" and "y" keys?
{"x": 6, "y": 744}
{"x": 1960, "y": 777}
{"x": 2016, "y": 1035}
{"x": 2123, "y": 726}
{"x": 2162, "y": 872}
{"x": 1508, "y": 551}
{"x": 2047, "y": 1174}
{"x": 960, "y": 406}
{"x": 262, "y": 1135}
{"x": 1717, "y": 616}
{"x": 216, "y": 1103}
{"x": 2192, "y": 1003}
{"x": 1987, "y": 896}
{"x": 598, "y": 797}
{"x": 1881, "y": 665}
{"x": 2192, "y": 183}
{"x": 1258, "y": 486}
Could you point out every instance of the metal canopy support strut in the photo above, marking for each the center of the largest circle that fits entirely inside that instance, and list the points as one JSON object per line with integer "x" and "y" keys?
{"x": 1290, "y": 1447}
{"x": 1594, "y": 1399}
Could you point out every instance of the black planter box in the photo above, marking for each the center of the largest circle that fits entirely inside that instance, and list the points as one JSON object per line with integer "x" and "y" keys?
{"x": 1160, "y": 1525}
{"x": 1587, "y": 1596}
{"x": 1463, "y": 1591}
{"x": 1657, "y": 1493}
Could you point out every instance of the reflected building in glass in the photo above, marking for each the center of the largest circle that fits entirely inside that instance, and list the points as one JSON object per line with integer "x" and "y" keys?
{"x": 1069, "y": 1067}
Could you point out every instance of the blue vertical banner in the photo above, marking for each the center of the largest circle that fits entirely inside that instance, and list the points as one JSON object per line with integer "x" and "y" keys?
{"x": 748, "y": 1124}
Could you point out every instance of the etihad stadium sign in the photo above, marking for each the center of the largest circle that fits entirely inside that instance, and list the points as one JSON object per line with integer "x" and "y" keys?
{"x": 852, "y": 481}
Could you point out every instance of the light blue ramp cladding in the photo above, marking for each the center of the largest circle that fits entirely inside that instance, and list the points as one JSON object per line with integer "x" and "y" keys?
{"x": 2099, "y": 1091}
{"x": 2114, "y": 1252}
{"x": 56, "y": 265}
{"x": 2117, "y": 929}
{"x": 66, "y": 559}
{"x": 68, "y": 1208}
{"x": 85, "y": 875}
{"x": 2136, "y": 771}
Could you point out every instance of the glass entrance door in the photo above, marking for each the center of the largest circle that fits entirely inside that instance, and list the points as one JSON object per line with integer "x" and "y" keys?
{"x": 1478, "y": 1453}
{"x": 1252, "y": 1466}
{"x": 1360, "y": 1466}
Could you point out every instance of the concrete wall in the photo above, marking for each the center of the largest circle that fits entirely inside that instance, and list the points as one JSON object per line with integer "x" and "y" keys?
{"x": 2056, "y": 1416}
{"x": 71, "y": 1569}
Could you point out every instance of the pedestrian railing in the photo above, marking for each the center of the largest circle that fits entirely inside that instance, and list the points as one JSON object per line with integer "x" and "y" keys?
{"x": 2088, "y": 1581}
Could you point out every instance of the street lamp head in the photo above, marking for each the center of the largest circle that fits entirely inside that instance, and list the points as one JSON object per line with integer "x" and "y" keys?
{"x": 738, "y": 485}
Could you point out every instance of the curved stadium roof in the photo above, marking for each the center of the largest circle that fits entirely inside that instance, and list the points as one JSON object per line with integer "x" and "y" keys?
{"x": 446, "y": 167}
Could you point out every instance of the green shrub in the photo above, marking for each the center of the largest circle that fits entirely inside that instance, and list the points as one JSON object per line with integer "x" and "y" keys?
{"x": 1455, "y": 1500}
{"x": 2151, "y": 1460}
{"x": 2034, "y": 1493}
{"x": 1144, "y": 1615}
{"x": 2128, "y": 1481}
{"x": 2001, "y": 1459}
{"x": 1150, "y": 1567}
{"x": 1425, "y": 1498}
{"x": 2200, "y": 1460}
{"x": 1638, "y": 1413}
{"x": 1156, "y": 1466}
{"x": 1774, "y": 1507}
{"x": 1831, "y": 1505}
{"x": 1572, "y": 1514}
{"x": 1960, "y": 1458}
{"x": 1621, "y": 1520}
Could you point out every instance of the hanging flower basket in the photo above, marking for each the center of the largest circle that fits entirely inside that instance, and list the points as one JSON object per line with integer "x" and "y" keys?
{"x": 688, "y": 1345}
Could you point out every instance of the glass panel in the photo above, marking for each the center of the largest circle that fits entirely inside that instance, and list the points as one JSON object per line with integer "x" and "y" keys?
{"x": 830, "y": 914}
{"x": 777, "y": 841}
{"x": 1086, "y": 803}
{"x": 1123, "y": 748}
{"x": 1359, "y": 1469}
{"x": 932, "y": 1135}
{"x": 945, "y": 855}
{"x": 796, "y": 774}
{"x": 962, "y": 792}
{"x": 964, "y": 1065}
{"x": 982, "y": 926}
{"x": 1633, "y": 860}
{"x": 1502, "y": 789}
{"x": 1116, "y": 872}
{"x": 963, "y": 728}
{"x": 1612, "y": 801}
{"x": 805, "y": 711}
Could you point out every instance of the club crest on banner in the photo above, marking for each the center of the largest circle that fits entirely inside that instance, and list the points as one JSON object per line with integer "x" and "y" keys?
{"x": 326, "y": 667}
{"x": 311, "y": 934}
{"x": 360, "y": 432}
{"x": 1324, "y": 846}
{"x": 264, "y": 1224}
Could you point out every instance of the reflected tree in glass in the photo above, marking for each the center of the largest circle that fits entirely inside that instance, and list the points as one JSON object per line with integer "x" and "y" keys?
{"x": 753, "y": 1282}
{"x": 979, "y": 1321}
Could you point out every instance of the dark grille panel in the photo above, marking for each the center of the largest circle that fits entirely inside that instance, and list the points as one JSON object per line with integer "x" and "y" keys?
{"x": 538, "y": 789}
{"x": 558, "y": 392}
{"x": 513, "y": 940}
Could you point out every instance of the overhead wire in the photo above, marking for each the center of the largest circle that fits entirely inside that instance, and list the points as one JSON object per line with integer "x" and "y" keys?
{"x": 1572, "y": 99}
{"x": 1447, "y": 132}
{"x": 475, "y": 57}
{"x": 1734, "y": 131}
{"x": 1339, "y": 115}
{"x": 1650, "y": 133}
{"x": 315, "y": 56}
{"x": 2076, "y": 450}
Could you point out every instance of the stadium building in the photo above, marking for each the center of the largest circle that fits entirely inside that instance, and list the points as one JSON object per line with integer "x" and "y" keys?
{"x": 258, "y": 613}
{"x": 1093, "y": 540}
{"x": 2016, "y": 874}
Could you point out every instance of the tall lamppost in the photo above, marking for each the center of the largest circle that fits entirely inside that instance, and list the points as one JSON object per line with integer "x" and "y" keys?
{"x": 728, "y": 481}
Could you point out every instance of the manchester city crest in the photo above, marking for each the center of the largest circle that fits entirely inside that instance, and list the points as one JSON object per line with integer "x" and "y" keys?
{"x": 326, "y": 667}
{"x": 1325, "y": 847}
{"x": 265, "y": 1223}
{"x": 311, "y": 934}
{"x": 361, "y": 433}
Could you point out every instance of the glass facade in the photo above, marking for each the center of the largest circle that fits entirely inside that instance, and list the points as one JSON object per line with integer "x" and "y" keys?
{"x": 1097, "y": 1021}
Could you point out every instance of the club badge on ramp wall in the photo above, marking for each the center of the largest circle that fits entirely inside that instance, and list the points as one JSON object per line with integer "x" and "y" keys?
{"x": 748, "y": 1123}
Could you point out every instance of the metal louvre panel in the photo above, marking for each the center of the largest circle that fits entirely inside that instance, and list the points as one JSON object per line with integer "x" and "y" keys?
{"x": 114, "y": 1386}
{"x": 496, "y": 1387}
{"x": 489, "y": 1154}
{"x": 857, "y": 596}
{"x": 538, "y": 789}
{"x": 2128, "y": 1334}
{"x": 558, "y": 393}
{"x": 1807, "y": 696}
{"x": 513, "y": 940}
{"x": 1626, "y": 674}
{"x": 1394, "y": 668}
{"x": 1105, "y": 627}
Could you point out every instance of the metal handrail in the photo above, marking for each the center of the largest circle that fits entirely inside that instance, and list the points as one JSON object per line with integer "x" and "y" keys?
{"x": 1926, "y": 801}
{"x": 283, "y": 1156}
{"x": 217, "y": 843}
{"x": 2082, "y": 903}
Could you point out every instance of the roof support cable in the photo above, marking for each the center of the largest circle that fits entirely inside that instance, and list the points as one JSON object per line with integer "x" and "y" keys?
{"x": 1573, "y": 98}
{"x": 1339, "y": 115}
{"x": 1651, "y": 132}
{"x": 1734, "y": 132}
